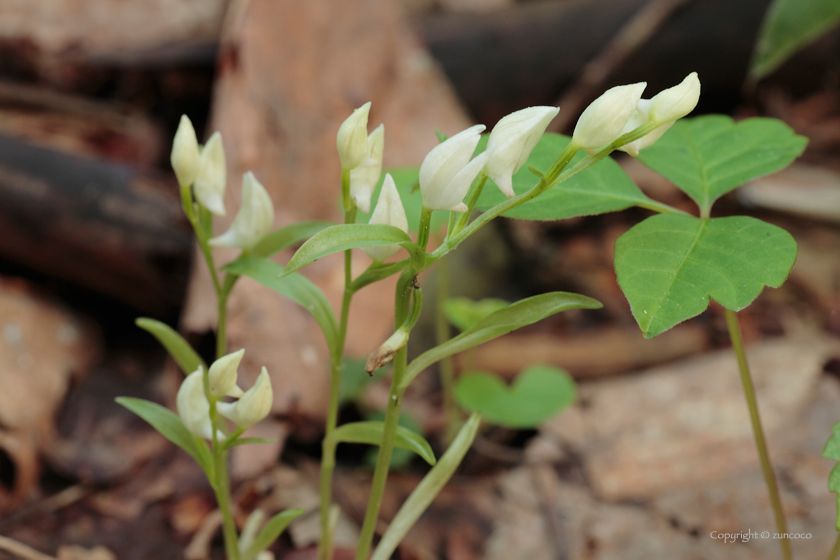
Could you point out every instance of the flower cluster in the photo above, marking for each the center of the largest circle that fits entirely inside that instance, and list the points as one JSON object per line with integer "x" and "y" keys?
{"x": 194, "y": 397}
{"x": 449, "y": 169}
{"x": 205, "y": 170}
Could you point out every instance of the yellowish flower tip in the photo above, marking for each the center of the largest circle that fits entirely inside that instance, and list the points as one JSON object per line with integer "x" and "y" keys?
{"x": 511, "y": 142}
{"x": 253, "y": 406}
{"x": 211, "y": 179}
{"x": 603, "y": 120}
{"x": 254, "y": 219}
{"x": 223, "y": 374}
{"x": 364, "y": 178}
{"x": 351, "y": 139}
{"x": 185, "y": 153}
{"x": 448, "y": 170}
{"x": 389, "y": 211}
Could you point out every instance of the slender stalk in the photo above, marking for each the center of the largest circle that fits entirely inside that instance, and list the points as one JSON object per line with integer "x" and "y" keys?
{"x": 325, "y": 545}
{"x": 758, "y": 431}
{"x": 447, "y": 367}
{"x": 221, "y": 485}
{"x": 425, "y": 228}
{"x": 835, "y": 551}
{"x": 392, "y": 416}
{"x": 472, "y": 199}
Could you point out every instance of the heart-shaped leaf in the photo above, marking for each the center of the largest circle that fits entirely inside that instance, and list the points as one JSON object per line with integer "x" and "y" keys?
{"x": 464, "y": 313}
{"x": 172, "y": 428}
{"x": 407, "y": 181}
{"x": 709, "y": 156}
{"x": 604, "y": 187}
{"x": 371, "y": 434}
{"x": 514, "y": 316}
{"x": 350, "y": 236}
{"x": 180, "y": 350}
{"x": 669, "y": 265}
{"x": 296, "y": 287}
{"x": 788, "y": 26}
{"x": 537, "y": 394}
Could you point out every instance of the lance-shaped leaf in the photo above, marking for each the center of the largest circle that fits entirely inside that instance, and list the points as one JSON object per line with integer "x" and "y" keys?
{"x": 180, "y": 350}
{"x": 604, "y": 187}
{"x": 295, "y": 287}
{"x": 536, "y": 394}
{"x": 285, "y": 237}
{"x": 670, "y": 264}
{"x": 371, "y": 434}
{"x": 709, "y": 156}
{"x": 172, "y": 428}
{"x": 427, "y": 490}
{"x": 271, "y": 531}
{"x": 503, "y": 321}
{"x": 350, "y": 236}
{"x": 788, "y": 26}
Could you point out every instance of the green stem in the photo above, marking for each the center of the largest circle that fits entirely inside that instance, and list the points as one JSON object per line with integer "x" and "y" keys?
{"x": 325, "y": 545}
{"x": 835, "y": 551}
{"x": 447, "y": 367}
{"x": 472, "y": 199}
{"x": 392, "y": 416}
{"x": 425, "y": 228}
{"x": 221, "y": 484}
{"x": 758, "y": 432}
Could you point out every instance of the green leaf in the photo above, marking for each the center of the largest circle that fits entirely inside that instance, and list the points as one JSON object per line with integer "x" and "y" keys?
{"x": 464, "y": 313}
{"x": 180, "y": 350}
{"x": 427, "y": 490}
{"x": 788, "y": 26}
{"x": 670, "y": 264}
{"x": 271, "y": 531}
{"x": 604, "y": 187}
{"x": 503, "y": 321}
{"x": 371, "y": 434}
{"x": 285, "y": 237}
{"x": 832, "y": 446}
{"x": 834, "y": 479}
{"x": 537, "y": 394}
{"x": 295, "y": 287}
{"x": 709, "y": 156}
{"x": 242, "y": 441}
{"x": 172, "y": 428}
{"x": 407, "y": 180}
{"x": 350, "y": 236}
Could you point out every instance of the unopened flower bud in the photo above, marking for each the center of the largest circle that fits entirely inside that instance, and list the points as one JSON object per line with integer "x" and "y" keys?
{"x": 605, "y": 118}
{"x": 352, "y": 138}
{"x": 387, "y": 351}
{"x": 254, "y": 219}
{"x": 192, "y": 405}
{"x": 223, "y": 375}
{"x": 389, "y": 211}
{"x": 185, "y": 154}
{"x": 254, "y": 405}
{"x": 447, "y": 172}
{"x": 674, "y": 103}
{"x": 511, "y": 142}
{"x": 211, "y": 179}
{"x": 363, "y": 179}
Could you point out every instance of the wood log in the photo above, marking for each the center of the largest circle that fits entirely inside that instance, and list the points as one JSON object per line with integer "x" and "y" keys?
{"x": 97, "y": 224}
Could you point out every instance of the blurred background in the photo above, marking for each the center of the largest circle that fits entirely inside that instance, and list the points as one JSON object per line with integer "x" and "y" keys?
{"x": 92, "y": 236}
